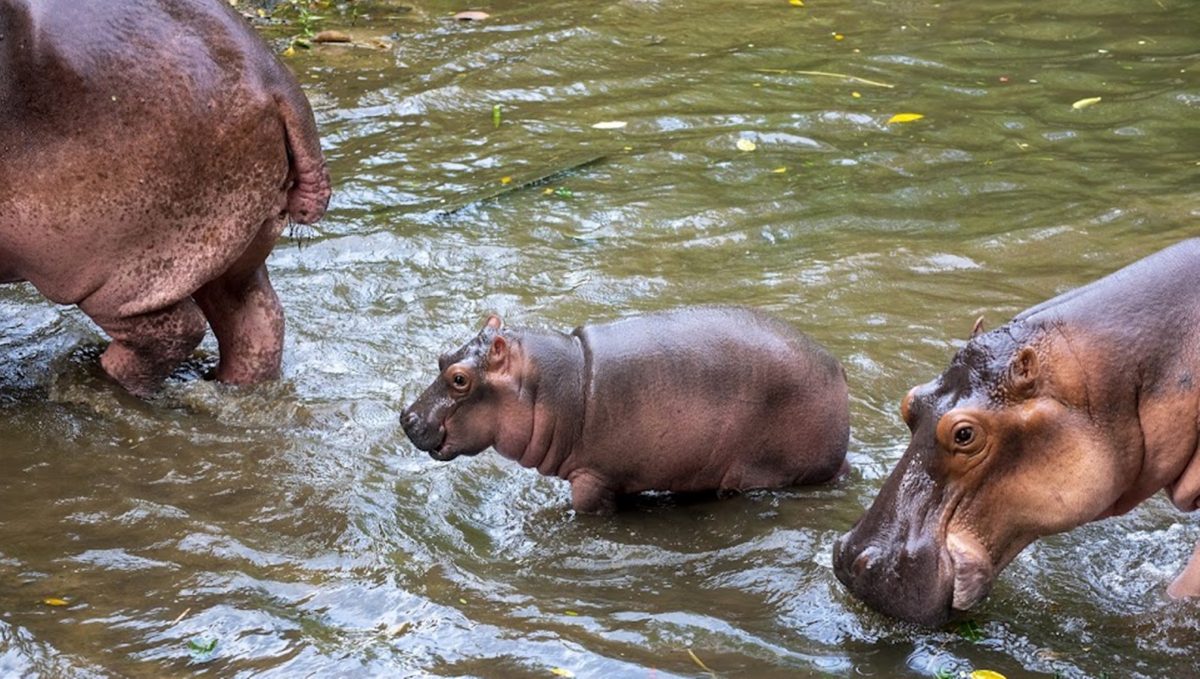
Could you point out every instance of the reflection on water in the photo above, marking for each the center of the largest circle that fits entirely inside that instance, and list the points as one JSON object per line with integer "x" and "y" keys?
{"x": 294, "y": 525}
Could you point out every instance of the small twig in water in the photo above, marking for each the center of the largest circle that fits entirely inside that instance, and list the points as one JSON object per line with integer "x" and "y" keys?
{"x": 696, "y": 659}
{"x": 181, "y": 616}
{"x": 826, "y": 74}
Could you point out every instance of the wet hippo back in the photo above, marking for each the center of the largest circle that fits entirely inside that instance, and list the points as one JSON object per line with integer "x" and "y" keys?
{"x": 701, "y": 382}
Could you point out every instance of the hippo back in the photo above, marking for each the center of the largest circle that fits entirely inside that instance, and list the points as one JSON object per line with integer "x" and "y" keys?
{"x": 707, "y": 385}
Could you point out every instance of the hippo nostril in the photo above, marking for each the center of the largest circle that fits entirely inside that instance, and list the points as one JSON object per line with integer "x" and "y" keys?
{"x": 863, "y": 562}
{"x": 409, "y": 419}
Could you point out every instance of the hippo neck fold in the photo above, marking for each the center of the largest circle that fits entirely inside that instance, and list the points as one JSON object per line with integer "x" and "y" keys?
{"x": 553, "y": 385}
{"x": 1136, "y": 338}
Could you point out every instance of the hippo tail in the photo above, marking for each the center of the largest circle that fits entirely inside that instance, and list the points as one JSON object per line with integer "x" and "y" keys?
{"x": 309, "y": 193}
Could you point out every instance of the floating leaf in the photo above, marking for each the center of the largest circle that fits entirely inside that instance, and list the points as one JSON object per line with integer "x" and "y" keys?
{"x": 796, "y": 3}
{"x": 746, "y": 145}
{"x": 495, "y": 115}
{"x": 560, "y": 672}
{"x": 839, "y": 37}
{"x": 563, "y": 192}
{"x": 905, "y": 118}
{"x": 1084, "y": 103}
{"x": 779, "y": 170}
{"x": 986, "y": 674}
{"x": 55, "y": 601}
{"x": 202, "y": 646}
{"x": 289, "y": 51}
{"x": 610, "y": 125}
{"x": 970, "y": 631}
{"x": 471, "y": 16}
{"x": 573, "y": 614}
{"x": 506, "y": 180}
{"x": 856, "y": 95}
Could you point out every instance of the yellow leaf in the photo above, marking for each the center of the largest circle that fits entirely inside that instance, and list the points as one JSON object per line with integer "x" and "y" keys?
{"x": 779, "y": 170}
{"x": 905, "y": 118}
{"x": 289, "y": 51}
{"x": 1084, "y": 103}
{"x": 838, "y": 37}
{"x": 986, "y": 674}
{"x": 560, "y": 672}
{"x": 505, "y": 181}
{"x": 55, "y": 601}
{"x": 746, "y": 145}
{"x": 856, "y": 95}
{"x": 547, "y": 191}
{"x": 796, "y": 3}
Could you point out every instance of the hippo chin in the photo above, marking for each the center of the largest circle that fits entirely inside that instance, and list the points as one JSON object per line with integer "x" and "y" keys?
{"x": 151, "y": 152}
{"x": 1077, "y": 410}
{"x": 707, "y": 399}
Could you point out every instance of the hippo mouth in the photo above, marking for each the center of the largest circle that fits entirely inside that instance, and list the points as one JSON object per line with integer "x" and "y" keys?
{"x": 972, "y": 568}
{"x": 442, "y": 451}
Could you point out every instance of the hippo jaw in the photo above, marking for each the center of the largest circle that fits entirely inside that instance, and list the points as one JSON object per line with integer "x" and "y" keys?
{"x": 972, "y": 568}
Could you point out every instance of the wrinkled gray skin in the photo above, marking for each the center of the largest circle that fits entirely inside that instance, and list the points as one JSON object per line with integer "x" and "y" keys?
{"x": 706, "y": 399}
{"x": 1076, "y": 410}
{"x": 151, "y": 152}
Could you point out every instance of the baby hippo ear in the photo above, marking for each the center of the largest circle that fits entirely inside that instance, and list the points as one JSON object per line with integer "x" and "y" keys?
{"x": 1023, "y": 373}
{"x": 498, "y": 353}
{"x": 494, "y": 322}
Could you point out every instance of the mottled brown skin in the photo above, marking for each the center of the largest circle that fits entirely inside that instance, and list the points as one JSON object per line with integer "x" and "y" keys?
{"x": 693, "y": 400}
{"x": 1078, "y": 409}
{"x": 151, "y": 152}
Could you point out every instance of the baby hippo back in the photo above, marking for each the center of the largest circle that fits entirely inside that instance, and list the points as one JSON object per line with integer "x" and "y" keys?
{"x": 704, "y": 398}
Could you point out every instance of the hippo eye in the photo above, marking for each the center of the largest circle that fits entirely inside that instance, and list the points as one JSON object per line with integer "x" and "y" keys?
{"x": 964, "y": 434}
{"x": 460, "y": 381}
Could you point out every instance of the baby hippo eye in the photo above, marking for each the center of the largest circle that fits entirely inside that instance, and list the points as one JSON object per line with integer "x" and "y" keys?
{"x": 964, "y": 435}
{"x": 459, "y": 379}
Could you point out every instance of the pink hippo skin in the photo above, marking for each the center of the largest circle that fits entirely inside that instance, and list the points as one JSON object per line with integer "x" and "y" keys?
{"x": 151, "y": 152}
{"x": 705, "y": 399}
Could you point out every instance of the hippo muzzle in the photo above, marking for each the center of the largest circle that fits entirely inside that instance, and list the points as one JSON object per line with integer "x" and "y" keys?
{"x": 427, "y": 434}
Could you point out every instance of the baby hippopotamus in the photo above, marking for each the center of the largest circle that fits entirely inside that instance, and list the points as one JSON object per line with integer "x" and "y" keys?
{"x": 719, "y": 399}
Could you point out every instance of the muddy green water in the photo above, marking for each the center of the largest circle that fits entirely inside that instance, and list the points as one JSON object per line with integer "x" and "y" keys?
{"x": 295, "y": 525}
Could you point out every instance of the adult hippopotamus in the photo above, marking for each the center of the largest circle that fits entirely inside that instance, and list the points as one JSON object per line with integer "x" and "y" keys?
{"x": 702, "y": 399}
{"x": 1076, "y": 410}
{"x": 151, "y": 152}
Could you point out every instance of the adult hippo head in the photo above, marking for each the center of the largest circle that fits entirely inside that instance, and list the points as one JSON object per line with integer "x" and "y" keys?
{"x": 1078, "y": 409}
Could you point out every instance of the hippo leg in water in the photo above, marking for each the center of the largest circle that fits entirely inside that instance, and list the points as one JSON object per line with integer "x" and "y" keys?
{"x": 1078, "y": 409}
{"x": 693, "y": 400}
{"x": 146, "y": 181}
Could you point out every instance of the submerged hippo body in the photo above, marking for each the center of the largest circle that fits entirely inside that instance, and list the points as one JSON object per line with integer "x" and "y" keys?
{"x": 1078, "y": 409}
{"x": 710, "y": 399}
{"x": 151, "y": 152}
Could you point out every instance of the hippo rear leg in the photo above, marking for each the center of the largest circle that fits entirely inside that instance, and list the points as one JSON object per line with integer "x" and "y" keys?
{"x": 1188, "y": 582}
{"x": 246, "y": 316}
{"x": 590, "y": 495}
{"x": 147, "y": 347}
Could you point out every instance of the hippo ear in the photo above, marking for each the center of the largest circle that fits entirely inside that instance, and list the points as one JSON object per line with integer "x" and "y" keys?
{"x": 978, "y": 328}
{"x": 1023, "y": 373}
{"x": 497, "y": 353}
{"x": 494, "y": 322}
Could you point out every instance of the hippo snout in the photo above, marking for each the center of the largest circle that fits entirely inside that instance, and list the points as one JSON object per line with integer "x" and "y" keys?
{"x": 424, "y": 436}
{"x": 874, "y": 573}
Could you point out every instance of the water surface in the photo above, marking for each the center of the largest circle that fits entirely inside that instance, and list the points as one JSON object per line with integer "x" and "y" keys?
{"x": 295, "y": 525}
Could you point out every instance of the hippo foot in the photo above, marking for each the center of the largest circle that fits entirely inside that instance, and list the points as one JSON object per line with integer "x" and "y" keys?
{"x": 146, "y": 348}
{"x": 247, "y": 319}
